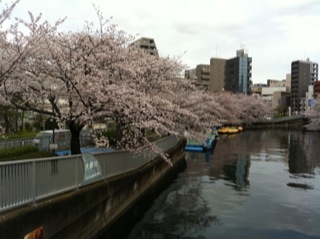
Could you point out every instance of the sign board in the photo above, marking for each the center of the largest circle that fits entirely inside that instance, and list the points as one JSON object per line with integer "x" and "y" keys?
{"x": 92, "y": 169}
{"x": 310, "y": 102}
{"x": 53, "y": 146}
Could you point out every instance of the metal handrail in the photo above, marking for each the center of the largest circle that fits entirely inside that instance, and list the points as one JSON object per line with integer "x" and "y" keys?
{"x": 25, "y": 182}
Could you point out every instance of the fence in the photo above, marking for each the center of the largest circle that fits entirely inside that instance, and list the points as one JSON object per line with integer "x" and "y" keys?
{"x": 26, "y": 181}
{"x": 15, "y": 143}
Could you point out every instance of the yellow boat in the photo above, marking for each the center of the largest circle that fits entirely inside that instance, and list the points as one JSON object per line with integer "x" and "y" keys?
{"x": 233, "y": 130}
{"x": 228, "y": 130}
{"x": 223, "y": 130}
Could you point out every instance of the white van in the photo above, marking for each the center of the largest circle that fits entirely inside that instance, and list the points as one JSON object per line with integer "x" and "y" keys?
{"x": 62, "y": 138}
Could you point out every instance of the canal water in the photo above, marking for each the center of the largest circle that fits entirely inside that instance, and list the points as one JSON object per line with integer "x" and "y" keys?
{"x": 256, "y": 184}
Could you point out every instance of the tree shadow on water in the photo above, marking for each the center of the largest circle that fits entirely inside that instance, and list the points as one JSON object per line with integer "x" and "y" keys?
{"x": 183, "y": 213}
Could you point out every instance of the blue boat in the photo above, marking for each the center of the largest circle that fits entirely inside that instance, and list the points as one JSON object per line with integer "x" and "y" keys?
{"x": 196, "y": 146}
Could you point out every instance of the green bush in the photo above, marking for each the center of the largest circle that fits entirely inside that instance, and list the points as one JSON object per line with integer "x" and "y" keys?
{"x": 22, "y": 152}
{"x": 11, "y": 152}
{"x": 18, "y": 135}
{"x": 28, "y": 127}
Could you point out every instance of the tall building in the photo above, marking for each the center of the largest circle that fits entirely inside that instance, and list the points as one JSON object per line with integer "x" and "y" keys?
{"x": 232, "y": 75}
{"x": 147, "y": 44}
{"x": 303, "y": 74}
{"x": 238, "y": 73}
{"x": 217, "y": 74}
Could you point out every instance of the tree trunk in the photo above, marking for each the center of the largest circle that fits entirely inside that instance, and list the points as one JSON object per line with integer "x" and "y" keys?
{"x": 75, "y": 129}
{"x": 22, "y": 121}
{"x": 6, "y": 124}
{"x": 119, "y": 129}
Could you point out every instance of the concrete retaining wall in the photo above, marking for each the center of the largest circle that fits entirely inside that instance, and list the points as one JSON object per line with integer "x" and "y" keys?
{"x": 84, "y": 213}
{"x": 274, "y": 124}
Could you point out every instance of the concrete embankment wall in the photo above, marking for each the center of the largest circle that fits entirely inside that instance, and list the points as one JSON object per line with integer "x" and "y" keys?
{"x": 84, "y": 213}
{"x": 277, "y": 124}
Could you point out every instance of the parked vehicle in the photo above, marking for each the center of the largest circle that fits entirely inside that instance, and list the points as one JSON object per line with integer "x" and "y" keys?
{"x": 62, "y": 138}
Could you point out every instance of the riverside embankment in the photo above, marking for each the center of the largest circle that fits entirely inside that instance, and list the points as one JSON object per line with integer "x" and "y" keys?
{"x": 89, "y": 206}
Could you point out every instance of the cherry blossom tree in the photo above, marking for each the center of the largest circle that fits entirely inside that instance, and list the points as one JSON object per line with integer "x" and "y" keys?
{"x": 313, "y": 115}
{"x": 79, "y": 77}
{"x": 12, "y": 53}
{"x": 17, "y": 43}
{"x": 243, "y": 108}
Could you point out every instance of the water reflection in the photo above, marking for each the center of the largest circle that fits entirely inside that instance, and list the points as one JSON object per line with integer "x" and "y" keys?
{"x": 176, "y": 217}
{"x": 256, "y": 184}
{"x": 183, "y": 210}
{"x": 300, "y": 150}
{"x": 304, "y": 153}
{"x": 237, "y": 172}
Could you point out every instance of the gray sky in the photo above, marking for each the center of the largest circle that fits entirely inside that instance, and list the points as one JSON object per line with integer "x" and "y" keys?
{"x": 276, "y": 32}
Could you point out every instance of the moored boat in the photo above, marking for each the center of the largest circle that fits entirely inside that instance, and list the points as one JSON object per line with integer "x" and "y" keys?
{"x": 196, "y": 146}
{"x": 229, "y": 130}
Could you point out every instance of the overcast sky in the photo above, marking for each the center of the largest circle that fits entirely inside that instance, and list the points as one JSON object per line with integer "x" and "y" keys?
{"x": 275, "y": 32}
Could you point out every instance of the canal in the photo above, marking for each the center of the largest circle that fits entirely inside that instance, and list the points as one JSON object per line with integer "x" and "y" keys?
{"x": 256, "y": 184}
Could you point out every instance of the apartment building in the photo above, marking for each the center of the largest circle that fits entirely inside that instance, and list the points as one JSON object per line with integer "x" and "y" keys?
{"x": 303, "y": 74}
{"x": 238, "y": 73}
{"x": 147, "y": 44}
{"x": 201, "y": 74}
{"x": 217, "y": 74}
{"x": 233, "y": 74}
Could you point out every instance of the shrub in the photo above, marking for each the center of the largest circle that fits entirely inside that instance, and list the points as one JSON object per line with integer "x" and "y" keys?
{"x": 19, "y": 152}
{"x": 9, "y": 152}
{"x": 23, "y": 134}
{"x": 28, "y": 127}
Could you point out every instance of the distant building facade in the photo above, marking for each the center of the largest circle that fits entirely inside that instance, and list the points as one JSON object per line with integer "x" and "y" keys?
{"x": 217, "y": 74}
{"x": 238, "y": 73}
{"x": 147, "y": 44}
{"x": 190, "y": 74}
{"x": 281, "y": 101}
{"x": 276, "y": 83}
{"x": 267, "y": 92}
{"x": 316, "y": 89}
{"x": 203, "y": 75}
{"x": 256, "y": 90}
{"x": 233, "y": 74}
{"x": 288, "y": 82}
{"x": 303, "y": 74}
